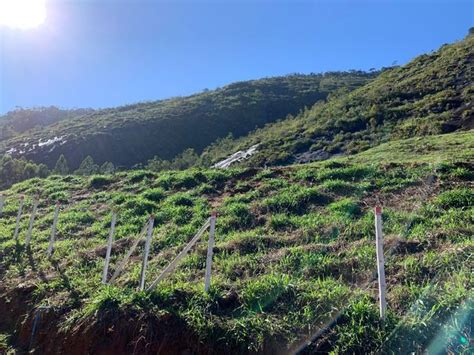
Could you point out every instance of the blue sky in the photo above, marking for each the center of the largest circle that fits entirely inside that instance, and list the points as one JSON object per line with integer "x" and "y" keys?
{"x": 110, "y": 53}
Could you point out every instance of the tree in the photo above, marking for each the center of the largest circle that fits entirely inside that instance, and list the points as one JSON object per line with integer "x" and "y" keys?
{"x": 158, "y": 164}
{"x": 61, "y": 167}
{"x": 16, "y": 170}
{"x": 87, "y": 167}
{"x": 107, "y": 168}
{"x": 187, "y": 159}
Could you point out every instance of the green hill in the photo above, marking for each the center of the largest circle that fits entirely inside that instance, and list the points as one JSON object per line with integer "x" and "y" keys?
{"x": 432, "y": 94}
{"x": 135, "y": 133}
{"x": 294, "y": 258}
{"x": 21, "y": 120}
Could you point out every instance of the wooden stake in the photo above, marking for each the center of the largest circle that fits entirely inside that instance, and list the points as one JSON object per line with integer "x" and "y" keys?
{"x": 171, "y": 266}
{"x": 146, "y": 253}
{"x": 109, "y": 248}
{"x": 53, "y": 230}
{"x": 32, "y": 220}
{"x": 380, "y": 261}
{"x": 18, "y": 217}
{"x": 212, "y": 229}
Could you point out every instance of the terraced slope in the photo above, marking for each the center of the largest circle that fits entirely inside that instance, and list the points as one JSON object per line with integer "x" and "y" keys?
{"x": 133, "y": 134}
{"x": 432, "y": 94}
{"x": 294, "y": 255}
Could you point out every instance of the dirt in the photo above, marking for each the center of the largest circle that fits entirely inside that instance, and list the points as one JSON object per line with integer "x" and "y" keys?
{"x": 38, "y": 330}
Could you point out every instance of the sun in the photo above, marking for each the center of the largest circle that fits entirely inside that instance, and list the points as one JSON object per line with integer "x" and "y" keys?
{"x": 22, "y": 14}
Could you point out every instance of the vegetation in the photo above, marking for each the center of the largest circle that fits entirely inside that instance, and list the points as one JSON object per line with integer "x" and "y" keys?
{"x": 294, "y": 252}
{"x": 136, "y": 133}
{"x": 430, "y": 95}
{"x": 16, "y": 170}
{"x": 21, "y": 120}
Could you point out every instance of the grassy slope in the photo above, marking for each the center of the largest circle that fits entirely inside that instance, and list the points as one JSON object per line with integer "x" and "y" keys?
{"x": 295, "y": 249}
{"x": 135, "y": 133}
{"x": 432, "y": 94}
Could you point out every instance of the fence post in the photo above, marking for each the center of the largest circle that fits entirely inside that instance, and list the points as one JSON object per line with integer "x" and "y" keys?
{"x": 109, "y": 247}
{"x": 53, "y": 230}
{"x": 124, "y": 261}
{"x": 18, "y": 216}
{"x": 172, "y": 265}
{"x": 32, "y": 220}
{"x": 2, "y": 202}
{"x": 146, "y": 253}
{"x": 380, "y": 261}
{"x": 212, "y": 229}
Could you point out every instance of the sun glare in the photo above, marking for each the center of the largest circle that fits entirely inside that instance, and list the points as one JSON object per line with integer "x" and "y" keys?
{"x": 22, "y": 14}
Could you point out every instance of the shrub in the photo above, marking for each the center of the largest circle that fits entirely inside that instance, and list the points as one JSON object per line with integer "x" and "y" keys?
{"x": 139, "y": 206}
{"x": 98, "y": 181}
{"x": 138, "y": 176}
{"x": 155, "y": 195}
{"x": 180, "y": 199}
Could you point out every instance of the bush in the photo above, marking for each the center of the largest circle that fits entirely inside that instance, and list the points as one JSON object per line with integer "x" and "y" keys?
{"x": 139, "y": 206}
{"x": 180, "y": 199}
{"x": 98, "y": 181}
{"x": 155, "y": 195}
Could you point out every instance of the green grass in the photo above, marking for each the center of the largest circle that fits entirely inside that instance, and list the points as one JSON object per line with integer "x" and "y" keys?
{"x": 294, "y": 249}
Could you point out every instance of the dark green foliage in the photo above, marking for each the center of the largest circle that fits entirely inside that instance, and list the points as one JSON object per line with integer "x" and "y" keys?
{"x": 139, "y": 206}
{"x": 155, "y": 195}
{"x": 236, "y": 216}
{"x": 107, "y": 168}
{"x": 187, "y": 159}
{"x": 21, "y": 120}
{"x": 16, "y": 170}
{"x": 430, "y": 95}
{"x": 180, "y": 199}
{"x": 345, "y": 207}
{"x": 169, "y": 128}
{"x": 295, "y": 199}
{"x": 140, "y": 175}
{"x": 61, "y": 167}
{"x": 87, "y": 167}
{"x": 359, "y": 328}
{"x": 99, "y": 181}
{"x": 457, "y": 198}
{"x": 261, "y": 294}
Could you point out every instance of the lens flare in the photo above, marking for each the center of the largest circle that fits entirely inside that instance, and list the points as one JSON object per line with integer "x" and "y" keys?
{"x": 22, "y": 14}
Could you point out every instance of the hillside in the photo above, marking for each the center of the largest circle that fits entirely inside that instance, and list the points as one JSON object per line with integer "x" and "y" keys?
{"x": 19, "y": 121}
{"x": 294, "y": 255}
{"x": 432, "y": 94}
{"x": 135, "y": 133}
